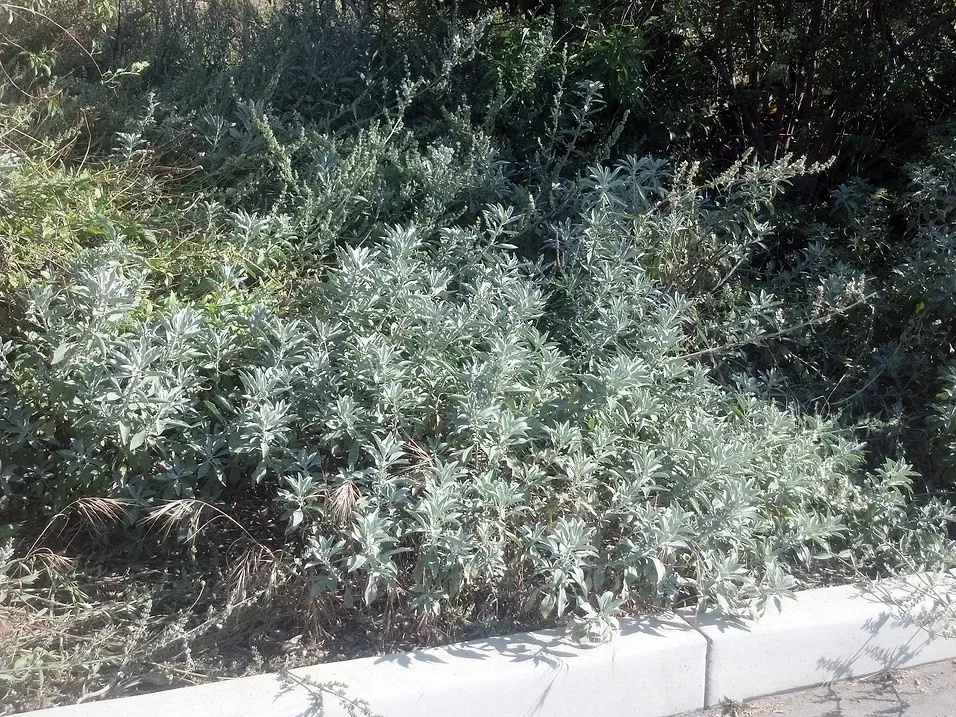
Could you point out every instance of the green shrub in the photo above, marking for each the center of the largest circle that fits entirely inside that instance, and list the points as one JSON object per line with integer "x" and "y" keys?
{"x": 390, "y": 323}
{"x": 872, "y": 295}
{"x": 944, "y": 425}
{"x": 447, "y": 425}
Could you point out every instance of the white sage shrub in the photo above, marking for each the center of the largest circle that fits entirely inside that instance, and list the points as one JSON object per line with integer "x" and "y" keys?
{"x": 448, "y": 425}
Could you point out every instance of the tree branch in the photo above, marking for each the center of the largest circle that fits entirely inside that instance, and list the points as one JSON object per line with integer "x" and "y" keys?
{"x": 930, "y": 28}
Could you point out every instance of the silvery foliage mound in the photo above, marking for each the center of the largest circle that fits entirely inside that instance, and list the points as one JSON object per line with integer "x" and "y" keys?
{"x": 446, "y": 425}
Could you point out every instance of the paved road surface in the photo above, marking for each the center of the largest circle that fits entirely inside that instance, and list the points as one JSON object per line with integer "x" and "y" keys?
{"x": 928, "y": 691}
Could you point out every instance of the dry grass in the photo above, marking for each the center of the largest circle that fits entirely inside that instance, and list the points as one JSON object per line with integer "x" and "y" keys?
{"x": 226, "y": 603}
{"x": 145, "y": 628}
{"x": 72, "y": 631}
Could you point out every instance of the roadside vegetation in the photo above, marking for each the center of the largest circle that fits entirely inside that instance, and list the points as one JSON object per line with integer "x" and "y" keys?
{"x": 332, "y": 328}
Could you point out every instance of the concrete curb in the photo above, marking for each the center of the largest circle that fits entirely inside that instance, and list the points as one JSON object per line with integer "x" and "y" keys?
{"x": 654, "y": 667}
{"x": 821, "y": 636}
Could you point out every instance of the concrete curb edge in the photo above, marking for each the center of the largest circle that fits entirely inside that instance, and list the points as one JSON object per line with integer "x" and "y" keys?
{"x": 654, "y": 667}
